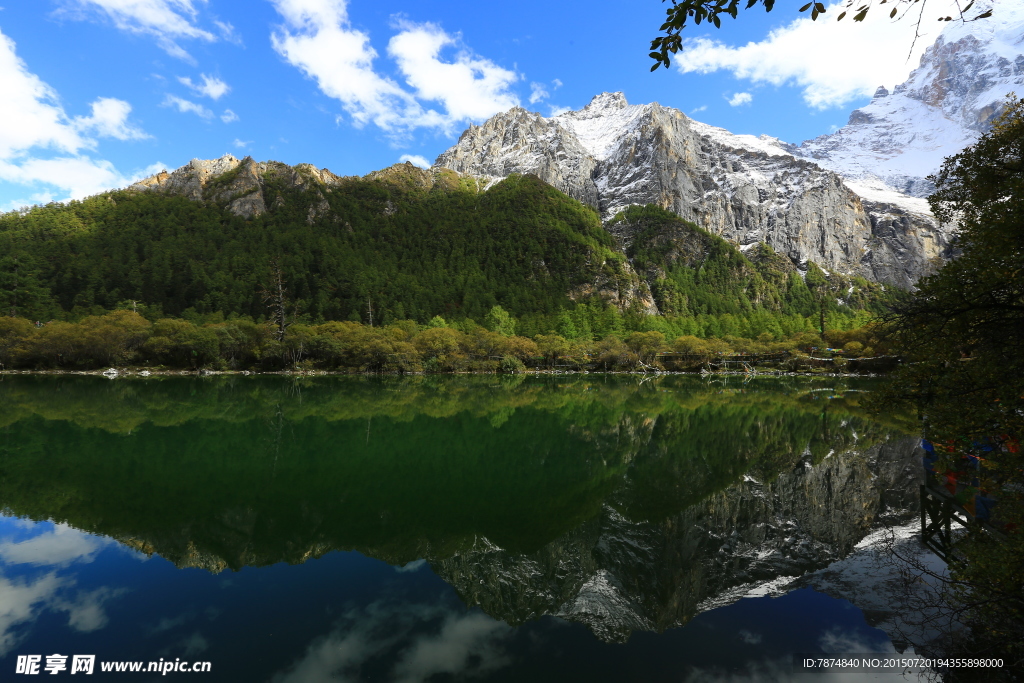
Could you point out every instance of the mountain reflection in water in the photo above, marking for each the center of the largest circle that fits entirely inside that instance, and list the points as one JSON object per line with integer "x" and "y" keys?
{"x": 626, "y": 504}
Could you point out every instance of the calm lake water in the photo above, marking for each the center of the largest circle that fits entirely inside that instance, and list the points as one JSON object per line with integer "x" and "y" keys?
{"x": 594, "y": 528}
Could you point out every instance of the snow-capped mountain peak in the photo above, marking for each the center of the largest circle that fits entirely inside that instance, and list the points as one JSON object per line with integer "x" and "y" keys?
{"x": 901, "y": 137}
{"x": 604, "y": 123}
{"x": 601, "y": 105}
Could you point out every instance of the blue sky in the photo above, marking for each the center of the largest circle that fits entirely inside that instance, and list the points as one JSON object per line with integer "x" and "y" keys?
{"x": 100, "y": 92}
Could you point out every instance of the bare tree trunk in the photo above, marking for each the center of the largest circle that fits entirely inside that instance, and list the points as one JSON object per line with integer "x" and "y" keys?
{"x": 276, "y": 298}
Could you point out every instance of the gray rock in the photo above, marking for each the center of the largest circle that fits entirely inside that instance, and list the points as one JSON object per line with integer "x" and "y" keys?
{"x": 239, "y": 185}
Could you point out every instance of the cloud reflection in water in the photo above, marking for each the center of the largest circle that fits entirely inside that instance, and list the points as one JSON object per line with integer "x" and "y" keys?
{"x": 25, "y": 595}
{"x": 408, "y": 642}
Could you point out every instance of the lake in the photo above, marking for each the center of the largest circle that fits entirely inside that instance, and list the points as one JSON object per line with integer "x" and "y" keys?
{"x": 495, "y": 528}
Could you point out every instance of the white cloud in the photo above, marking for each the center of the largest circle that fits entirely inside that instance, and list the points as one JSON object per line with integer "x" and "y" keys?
{"x": 24, "y": 600}
{"x": 538, "y": 92}
{"x": 419, "y": 641}
{"x": 422, "y": 162}
{"x": 41, "y": 145}
{"x": 211, "y": 87}
{"x": 78, "y": 176}
{"x": 228, "y": 32}
{"x": 168, "y": 21}
{"x": 228, "y": 116}
{"x": 109, "y": 119}
{"x": 465, "y": 644}
{"x": 318, "y": 40}
{"x": 469, "y": 88}
{"x": 30, "y": 110}
{"x": 34, "y": 198}
{"x": 699, "y": 109}
{"x": 85, "y": 611}
{"x": 833, "y": 61}
{"x": 842, "y": 642}
{"x": 187, "y": 106}
{"x": 241, "y": 144}
{"x": 59, "y": 547}
{"x": 740, "y": 98}
{"x": 194, "y": 644}
{"x": 188, "y": 647}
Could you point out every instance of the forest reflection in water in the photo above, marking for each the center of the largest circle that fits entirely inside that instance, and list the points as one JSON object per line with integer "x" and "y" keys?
{"x": 626, "y": 504}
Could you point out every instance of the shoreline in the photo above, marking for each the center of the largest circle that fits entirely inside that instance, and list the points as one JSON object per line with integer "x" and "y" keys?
{"x": 145, "y": 373}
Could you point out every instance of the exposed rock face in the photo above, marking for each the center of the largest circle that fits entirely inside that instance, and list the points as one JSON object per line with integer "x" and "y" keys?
{"x": 746, "y": 189}
{"x": 525, "y": 142}
{"x": 945, "y": 104}
{"x": 239, "y": 184}
{"x": 189, "y": 180}
{"x": 618, "y": 575}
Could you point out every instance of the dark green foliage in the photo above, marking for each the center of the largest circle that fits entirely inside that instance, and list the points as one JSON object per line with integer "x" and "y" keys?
{"x": 963, "y": 330}
{"x": 405, "y": 251}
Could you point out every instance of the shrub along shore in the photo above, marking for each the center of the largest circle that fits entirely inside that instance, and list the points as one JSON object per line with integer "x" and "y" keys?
{"x": 126, "y": 339}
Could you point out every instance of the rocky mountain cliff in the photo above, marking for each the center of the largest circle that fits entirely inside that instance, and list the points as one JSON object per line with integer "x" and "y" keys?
{"x": 749, "y": 190}
{"x": 240, "y": 184}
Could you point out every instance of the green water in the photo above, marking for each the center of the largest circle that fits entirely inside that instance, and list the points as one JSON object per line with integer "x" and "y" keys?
{"x": 387, "y": 466}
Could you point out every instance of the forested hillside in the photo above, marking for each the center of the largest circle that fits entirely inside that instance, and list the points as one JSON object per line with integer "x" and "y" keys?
{"x": 406, "y": 244}
{"x": 414, "y": 253}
